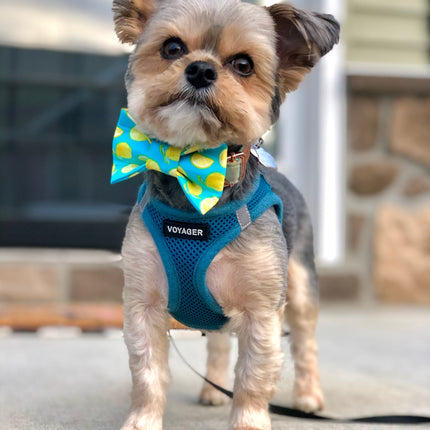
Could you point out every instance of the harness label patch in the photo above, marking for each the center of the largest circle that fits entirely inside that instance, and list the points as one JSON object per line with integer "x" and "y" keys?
{"x": 186, "y": 230}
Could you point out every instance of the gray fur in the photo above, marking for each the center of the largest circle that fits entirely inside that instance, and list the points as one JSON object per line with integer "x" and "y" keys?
{"x": 296, "y": 222}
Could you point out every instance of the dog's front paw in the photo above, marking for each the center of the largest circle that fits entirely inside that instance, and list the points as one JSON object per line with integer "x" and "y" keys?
{"x": 251, "y": 428}
{"x": 141, "y": 426}
{"x": 249, "y": 418}
{"x": 210, "y": 396}
{"x": 135, "y": 422}
{"x": 246, "y": 428}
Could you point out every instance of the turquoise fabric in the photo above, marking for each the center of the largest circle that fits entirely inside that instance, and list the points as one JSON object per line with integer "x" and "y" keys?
{"x": 200, "y": 172}
{"x": 186, "y": 261}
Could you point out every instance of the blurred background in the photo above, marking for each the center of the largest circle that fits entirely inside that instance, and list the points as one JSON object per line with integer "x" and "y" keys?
{"x": 355, "y": 139}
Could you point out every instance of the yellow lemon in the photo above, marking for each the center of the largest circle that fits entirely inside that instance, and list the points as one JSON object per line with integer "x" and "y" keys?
{"x": 123, "y": 150}
{"x": 113, "y": 168}
{"x": 153, "y": 165}
{"x": 223, "y": 158}
{"x": 200, "y": 161}
{"x": 135, "y": 134}
{"x": 207, "y": 204}
{"x": 173, "y": 153}
{"x": 142, "y": 158}
{"x": 118, "y": 132}
{"x": 173, "y": 172}
{"x": 129, "y": 168}
{"x": 192, "y": 149}
{"x": 194, "y": 189}
{"x": 216, "y": 181}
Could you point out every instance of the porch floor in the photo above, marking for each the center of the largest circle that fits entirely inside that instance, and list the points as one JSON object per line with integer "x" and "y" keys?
{"x": 372, "y": 361}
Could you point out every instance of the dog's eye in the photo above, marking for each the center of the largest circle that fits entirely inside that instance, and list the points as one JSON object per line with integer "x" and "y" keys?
{"x": 242, "y": 65}
{"x": 173, "y": 49}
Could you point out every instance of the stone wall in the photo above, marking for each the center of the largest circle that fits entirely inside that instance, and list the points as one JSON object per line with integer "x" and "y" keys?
{"x": 388, "y": 189}
{"x": 59, "y": 276}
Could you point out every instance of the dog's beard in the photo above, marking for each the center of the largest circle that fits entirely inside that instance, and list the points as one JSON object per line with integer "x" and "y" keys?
{"x": 183, "y": 118}
{"x": 201, "y": 100}
{"x": 191, "y": 116}
{"x": 188, "y": 123}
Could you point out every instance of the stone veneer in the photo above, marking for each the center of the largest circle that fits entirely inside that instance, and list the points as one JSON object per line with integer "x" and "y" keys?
{"x": 59, "y": 276}
{"x": 402, "y": 255}
{"x": 388, "y": 189}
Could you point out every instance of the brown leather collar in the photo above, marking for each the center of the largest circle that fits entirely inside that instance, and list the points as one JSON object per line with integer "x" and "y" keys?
{"x": 236, "y": 166}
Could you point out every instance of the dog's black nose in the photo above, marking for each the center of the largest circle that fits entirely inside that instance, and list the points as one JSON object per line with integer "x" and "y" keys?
{"x": 200, "y": 74}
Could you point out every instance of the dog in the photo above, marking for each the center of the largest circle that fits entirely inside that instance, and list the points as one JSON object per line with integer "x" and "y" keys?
{"x": 209, "y": 77}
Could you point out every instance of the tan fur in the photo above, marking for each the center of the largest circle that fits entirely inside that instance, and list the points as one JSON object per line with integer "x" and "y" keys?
{"x": 130, "y": 18}
{"x": 218, "y": 348}
{"x": 146, "y": 322}
{"x": 302, "y": 315}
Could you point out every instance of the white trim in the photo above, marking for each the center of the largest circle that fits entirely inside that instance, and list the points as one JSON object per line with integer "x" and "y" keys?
{"x": 331, "y": 186}
{"x": 332, "y": 149}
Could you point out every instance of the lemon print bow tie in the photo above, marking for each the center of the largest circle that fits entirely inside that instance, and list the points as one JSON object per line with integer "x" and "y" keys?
{"x": 201, "y": 173}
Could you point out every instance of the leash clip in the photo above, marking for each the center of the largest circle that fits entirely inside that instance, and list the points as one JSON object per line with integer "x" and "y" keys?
{"x": 259, "y": 143}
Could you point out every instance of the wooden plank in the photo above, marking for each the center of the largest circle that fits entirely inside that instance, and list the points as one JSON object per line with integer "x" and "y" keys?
{"x": 86, "y": 316}
{"x": 403, "y": 7}
{"x": 405, "y": 32}
{"x": 387, "y": 31}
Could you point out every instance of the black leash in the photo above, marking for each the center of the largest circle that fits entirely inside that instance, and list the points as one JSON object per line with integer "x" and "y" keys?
{"x": 296, "y": 413}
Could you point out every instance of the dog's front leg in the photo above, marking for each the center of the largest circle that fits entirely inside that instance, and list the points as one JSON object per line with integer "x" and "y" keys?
{"x": 257, "y": 370}
{"x": 146, "y": 322}
{"x": 248, "y": 279}
{"x": 148, "y": 345}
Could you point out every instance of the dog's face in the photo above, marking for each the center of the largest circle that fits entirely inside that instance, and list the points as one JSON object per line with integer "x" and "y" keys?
{"x": 213, "y": 71}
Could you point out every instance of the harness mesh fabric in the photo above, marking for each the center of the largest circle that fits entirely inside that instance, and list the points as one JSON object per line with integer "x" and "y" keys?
{"x": 186, "y": 260}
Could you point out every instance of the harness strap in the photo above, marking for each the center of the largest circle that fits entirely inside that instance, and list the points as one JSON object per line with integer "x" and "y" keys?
{"x": 142, "y": 202}
{"x": 243, "y": 217}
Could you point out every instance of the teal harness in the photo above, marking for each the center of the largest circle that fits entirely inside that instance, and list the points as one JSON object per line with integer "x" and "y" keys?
{"x": 188, "y": 242}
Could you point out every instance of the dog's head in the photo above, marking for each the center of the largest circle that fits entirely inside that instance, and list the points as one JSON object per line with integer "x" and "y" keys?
{"x": 213, "y": 71}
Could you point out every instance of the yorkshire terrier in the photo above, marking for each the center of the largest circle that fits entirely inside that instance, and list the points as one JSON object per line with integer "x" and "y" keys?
{"x": 216, "y": 239}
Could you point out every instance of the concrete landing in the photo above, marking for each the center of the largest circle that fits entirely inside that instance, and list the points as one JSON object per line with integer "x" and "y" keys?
{"x": 372, "y": 362}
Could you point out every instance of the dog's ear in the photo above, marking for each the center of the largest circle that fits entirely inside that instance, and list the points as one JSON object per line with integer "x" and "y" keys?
{"x": 131, "y": 17}
{"x": 303, "y": 38}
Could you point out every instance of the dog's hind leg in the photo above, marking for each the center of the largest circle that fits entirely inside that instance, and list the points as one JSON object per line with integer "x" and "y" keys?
{"x": 302, "y": 315}
{"x": 218, "y": 348}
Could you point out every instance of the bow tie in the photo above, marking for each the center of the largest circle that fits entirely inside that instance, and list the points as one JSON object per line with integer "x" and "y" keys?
{"x": 200, "y": 172}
